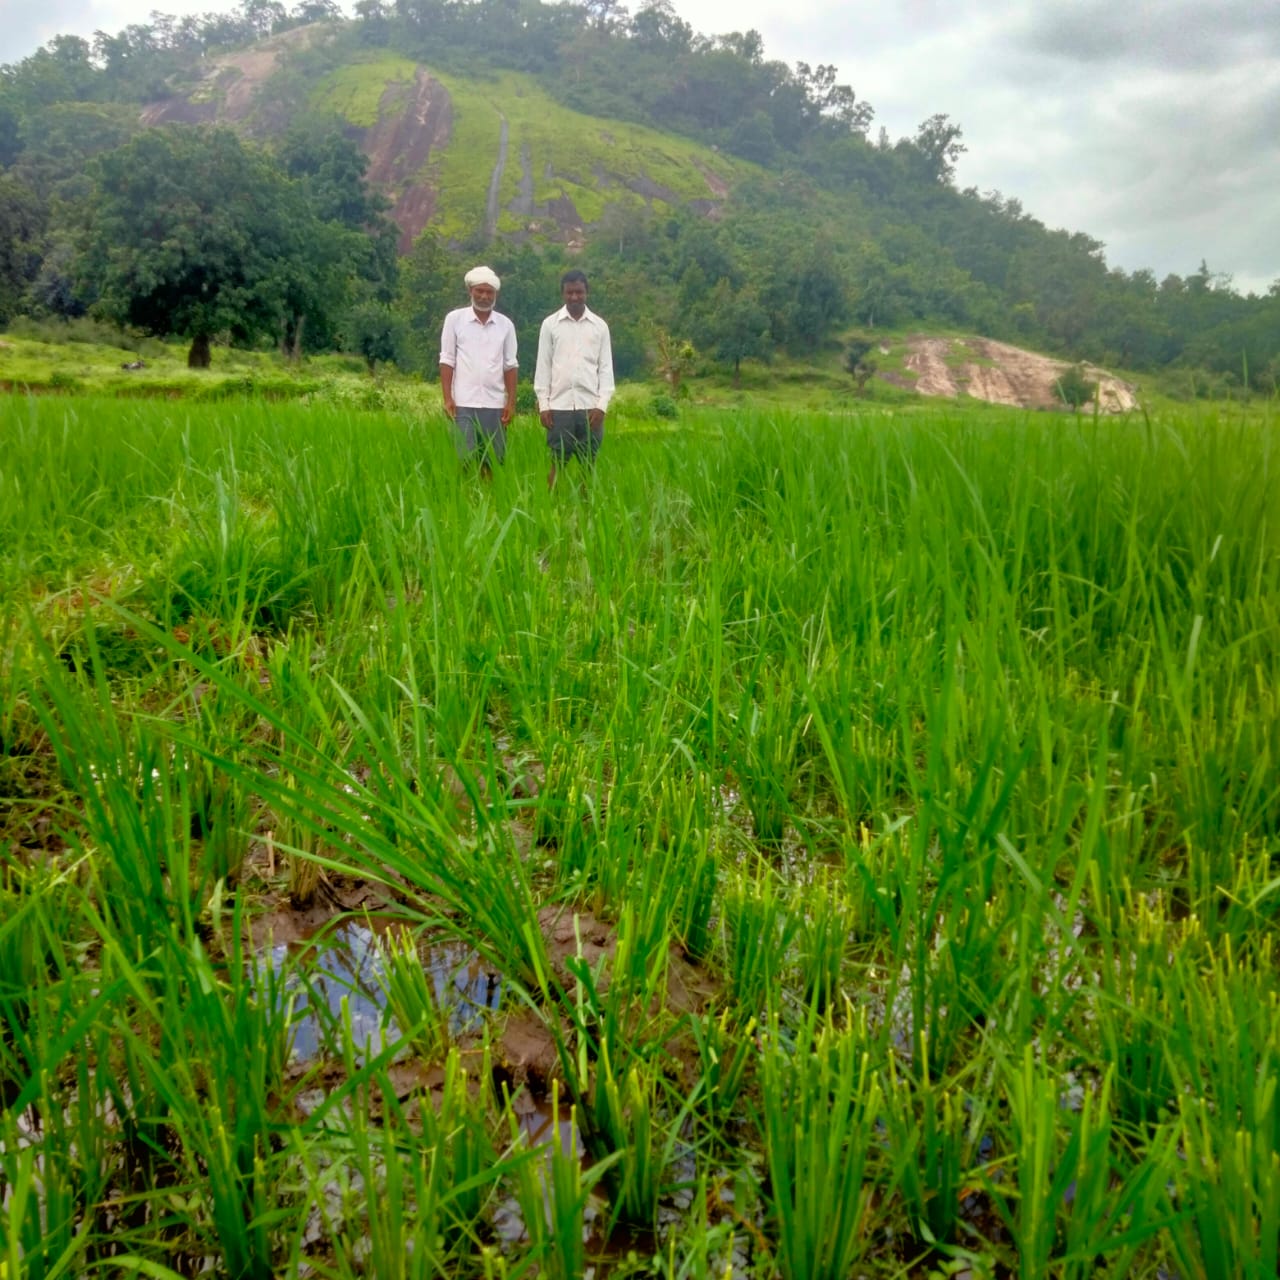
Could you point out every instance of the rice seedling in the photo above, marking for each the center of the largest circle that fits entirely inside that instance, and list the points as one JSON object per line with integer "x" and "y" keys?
{"x": 411, "y": 996}
{"x": 727, "y": 1051}
{"x": 823, "y": 934}
{"x": 933, "y": 1131}
{"x": 553, "y": 1194}
{"x": 819, "y": 1107}
{"x": 1072, "y": 1202}
{"x": 759, "y": 930}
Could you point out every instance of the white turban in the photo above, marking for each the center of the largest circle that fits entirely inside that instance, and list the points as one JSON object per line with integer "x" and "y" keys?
{"x": 482, "y": 275}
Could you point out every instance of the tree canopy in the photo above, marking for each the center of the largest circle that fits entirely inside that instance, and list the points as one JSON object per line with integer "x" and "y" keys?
{"x": 194, "y": 233}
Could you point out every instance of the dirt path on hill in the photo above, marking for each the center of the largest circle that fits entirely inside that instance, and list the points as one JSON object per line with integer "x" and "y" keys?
{"x": 495, "y": 182}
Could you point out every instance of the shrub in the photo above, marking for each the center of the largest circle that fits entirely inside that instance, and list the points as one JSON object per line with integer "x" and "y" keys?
{"x": 1074, "y": 388}
{"x": 663, "y": 406}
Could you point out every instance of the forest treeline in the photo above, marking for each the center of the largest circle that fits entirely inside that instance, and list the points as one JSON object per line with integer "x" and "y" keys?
{"x": 272, "y": 234}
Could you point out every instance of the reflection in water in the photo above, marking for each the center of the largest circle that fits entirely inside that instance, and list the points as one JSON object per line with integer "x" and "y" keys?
{"x": 347, "y": 964}
{"x": 536, "y": 1121}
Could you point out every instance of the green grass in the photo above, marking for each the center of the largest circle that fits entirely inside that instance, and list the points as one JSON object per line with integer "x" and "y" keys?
{"x": 355, "y": 92}
{"x": 582, "y": 158}
{"x": 877, "y": 811}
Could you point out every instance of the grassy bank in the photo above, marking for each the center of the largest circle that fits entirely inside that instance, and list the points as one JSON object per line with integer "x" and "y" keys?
{"x": 870, "y": 826}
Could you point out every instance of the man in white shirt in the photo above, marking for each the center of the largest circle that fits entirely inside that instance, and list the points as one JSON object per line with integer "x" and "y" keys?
{"x": 574, "y": 377}
{"x": 478, "y": 370}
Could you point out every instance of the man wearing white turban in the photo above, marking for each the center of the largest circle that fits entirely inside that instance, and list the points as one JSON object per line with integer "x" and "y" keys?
{"x": 478, "y": 370}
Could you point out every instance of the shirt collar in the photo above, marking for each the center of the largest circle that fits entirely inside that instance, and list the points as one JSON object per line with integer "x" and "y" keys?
{"x": 587, "y": 314}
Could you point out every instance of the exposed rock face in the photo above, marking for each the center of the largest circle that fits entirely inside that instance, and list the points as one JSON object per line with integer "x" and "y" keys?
{"x": 401, "y": 143}
{"x": 227, "y": 93}
{"x": 1001, "y": 374}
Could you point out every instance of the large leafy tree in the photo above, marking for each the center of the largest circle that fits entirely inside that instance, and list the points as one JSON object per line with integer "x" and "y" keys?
{"x": 195, "y": 234}
{"x": 733, "y": 326}
{"x": 22, "y": 220}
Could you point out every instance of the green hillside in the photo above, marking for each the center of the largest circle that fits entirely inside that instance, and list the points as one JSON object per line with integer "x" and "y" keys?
{"x": 561, "y": 169}
{"x": 730, "y": 200}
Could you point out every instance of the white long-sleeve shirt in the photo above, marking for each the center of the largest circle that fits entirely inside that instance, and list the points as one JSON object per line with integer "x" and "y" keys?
{"x": 575, "y": 362}
{"x": 479, "y": 351}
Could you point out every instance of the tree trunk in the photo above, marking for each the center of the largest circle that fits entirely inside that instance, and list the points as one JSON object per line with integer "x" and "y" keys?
{"x": 296, "y": 354}
{"x": 737, "y": 372}
{"x": 199, "y": 356}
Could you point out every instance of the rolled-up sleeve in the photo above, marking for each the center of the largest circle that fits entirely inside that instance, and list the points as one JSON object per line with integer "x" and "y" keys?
{"x": 448, "y": 341}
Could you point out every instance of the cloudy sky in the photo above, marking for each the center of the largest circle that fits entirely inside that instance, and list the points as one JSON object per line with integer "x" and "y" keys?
{"x": 1152, "y": 125}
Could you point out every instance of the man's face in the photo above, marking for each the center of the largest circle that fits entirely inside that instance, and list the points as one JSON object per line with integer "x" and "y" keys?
{"x": 483, "y": 296}
{"x": 574, "y": 293}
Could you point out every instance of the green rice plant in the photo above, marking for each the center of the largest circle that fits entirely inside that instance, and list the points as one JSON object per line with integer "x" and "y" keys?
{"x": 418, "y": 1200}
{"x": 1228, "y": 1192}
{"x": 43, "y": 1231}
{"x": 1223, "y": 1058}
{"x": 698, "y": 1249}
{"x": 818, "y": 1111}
{"x": 758, "y": 930}
{"x": 825, "y": 921}
{"x": 931, "y": 1129}
{"x": 553, "y": 1194}
{"x": 1141, "y": 1007}
{"x": 411, "y": 995}
{"x": 38, "y": 914}
{"x": 682, "y": 845}
{"x": 761, "y": 751}
{"x": 1074, "y": 1200}
{"x": 727, "y": 1051}
{"x": 566, "y": 816}
{"x": 463, "y": 1133}
{"x": 875, "y": 867}
{"x": 205, "y": 1061}
{"x": 1022, "y": 679}
{"x": 627, "y": 1122}
{"x": 616, "y": 1006}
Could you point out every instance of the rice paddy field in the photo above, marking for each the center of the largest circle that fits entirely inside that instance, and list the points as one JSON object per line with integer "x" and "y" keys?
{"x": 811, "y": 848}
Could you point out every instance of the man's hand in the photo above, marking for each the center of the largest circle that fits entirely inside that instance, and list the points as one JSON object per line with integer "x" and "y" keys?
{"x": 450, "y": 406}
{"x": 595, "y": 419}
{"x": 508, "y": 410}
{"x": 546, "y": 419}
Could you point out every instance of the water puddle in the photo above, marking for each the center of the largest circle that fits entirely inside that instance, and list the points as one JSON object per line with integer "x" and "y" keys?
{"x": 347, "y": 962}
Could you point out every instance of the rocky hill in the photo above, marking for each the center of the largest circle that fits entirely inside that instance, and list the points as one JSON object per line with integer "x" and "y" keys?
{"x": 442, "y": 146}
{"x": 998, "y": 373}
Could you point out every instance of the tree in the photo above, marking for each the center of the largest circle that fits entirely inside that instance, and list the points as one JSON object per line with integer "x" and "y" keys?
{"x": 22, "y": 221}
{"x": 430, "y": 285}
{"x": 733, "y": 326}
{"x": 673, "y": 359}
{"x": 859, "y": 363}
{"x": 938, "y": 141}
{"x": 373, "y": 331}
{"x": 196, "y": 235}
